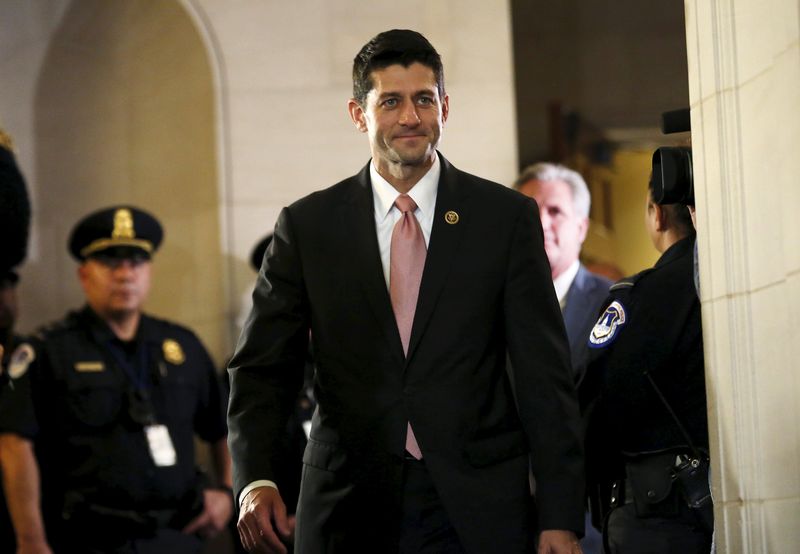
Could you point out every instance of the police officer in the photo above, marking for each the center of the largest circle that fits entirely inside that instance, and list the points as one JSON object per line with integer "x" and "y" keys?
{"x": 21, "y": 527}
{"x": 645, "y": 405}
{"x": 115, "y": 400}
{"x": 16, "y": 453}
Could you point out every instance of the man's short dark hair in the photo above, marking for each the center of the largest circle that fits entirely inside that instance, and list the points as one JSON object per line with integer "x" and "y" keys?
{"x": 398, "y": 46}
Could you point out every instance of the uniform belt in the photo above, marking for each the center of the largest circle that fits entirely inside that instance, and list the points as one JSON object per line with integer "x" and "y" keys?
{"x": 620, "y": 493}
{"x": 150, "y": 518}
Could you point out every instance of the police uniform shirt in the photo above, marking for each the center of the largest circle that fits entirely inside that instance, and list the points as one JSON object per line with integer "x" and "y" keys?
{"x": 80, "y": 392}
{"x": 10, "y": 403}
{"x": 650, "y": 323}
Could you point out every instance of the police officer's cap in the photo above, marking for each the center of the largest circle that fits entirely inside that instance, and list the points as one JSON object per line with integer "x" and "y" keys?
{"x": 119, "y": 231}
{"x": 257, "y": 255}
{"x": 15, "y": 213}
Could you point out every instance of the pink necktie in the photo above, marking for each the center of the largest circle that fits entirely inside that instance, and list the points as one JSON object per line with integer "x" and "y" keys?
{"x": 406, "y": 261}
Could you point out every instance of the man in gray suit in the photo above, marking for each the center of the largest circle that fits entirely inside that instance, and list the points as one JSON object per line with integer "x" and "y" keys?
{"x": 564, "y": 200}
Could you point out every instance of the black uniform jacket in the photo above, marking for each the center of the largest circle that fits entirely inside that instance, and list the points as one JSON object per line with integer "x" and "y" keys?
{"x": 8, "y": 402}
{"x": 74, "y": 402}
{"x": 486, "y": 289}
{"x": 650, "y": 323}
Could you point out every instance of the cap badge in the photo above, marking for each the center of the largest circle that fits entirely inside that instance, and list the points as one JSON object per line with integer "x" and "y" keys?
{"x": 123, "y": 224}
{"x": 608, "y": 326}
{"x": 173, "y": 352}
{"x": 5, "y": 141}
{"x": 451, "y": 217}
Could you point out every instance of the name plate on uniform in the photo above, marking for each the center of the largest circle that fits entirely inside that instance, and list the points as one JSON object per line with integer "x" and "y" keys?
{"x": 89, "y": 367}
{"x": 161, "y": 449}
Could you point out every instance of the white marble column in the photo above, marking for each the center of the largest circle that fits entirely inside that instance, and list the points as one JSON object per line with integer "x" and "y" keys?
{"x": 744, "y": 77}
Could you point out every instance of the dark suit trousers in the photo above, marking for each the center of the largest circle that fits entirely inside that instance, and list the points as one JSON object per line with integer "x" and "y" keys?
{"x": 425, "y": 528}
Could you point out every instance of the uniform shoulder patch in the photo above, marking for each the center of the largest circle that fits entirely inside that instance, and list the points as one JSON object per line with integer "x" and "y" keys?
{"x": 608, "y": 326}
{"x": 20, "y": 360}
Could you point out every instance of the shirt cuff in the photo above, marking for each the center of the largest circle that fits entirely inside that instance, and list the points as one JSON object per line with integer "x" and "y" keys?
{"x": 255, "y": 485}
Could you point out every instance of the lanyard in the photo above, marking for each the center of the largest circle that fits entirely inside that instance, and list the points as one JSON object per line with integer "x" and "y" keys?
{"x": 137, "y": 373}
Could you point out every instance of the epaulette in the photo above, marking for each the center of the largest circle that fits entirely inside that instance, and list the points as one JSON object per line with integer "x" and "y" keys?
{"x": 57, "y": 327}
{"x": 628, "y": 282}
{"x": 622, "y": 284}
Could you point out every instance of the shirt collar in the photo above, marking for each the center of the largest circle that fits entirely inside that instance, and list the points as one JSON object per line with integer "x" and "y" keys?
{"x": 423, "y": 193}
{"x": 103, "y": 333}
{"x": 563, "y": 282}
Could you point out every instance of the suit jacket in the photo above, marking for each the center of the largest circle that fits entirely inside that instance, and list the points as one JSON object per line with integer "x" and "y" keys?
{"x": 583, "y": 302}
{"x": 485, "y": 290}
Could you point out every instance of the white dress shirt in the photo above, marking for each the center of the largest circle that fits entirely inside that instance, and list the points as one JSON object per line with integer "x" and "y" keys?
{"x": 563, "y": 282}
{"x": 387, "y": 214}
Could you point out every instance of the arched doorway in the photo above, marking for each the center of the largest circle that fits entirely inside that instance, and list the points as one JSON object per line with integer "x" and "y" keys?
{"x": 124, "y": 112}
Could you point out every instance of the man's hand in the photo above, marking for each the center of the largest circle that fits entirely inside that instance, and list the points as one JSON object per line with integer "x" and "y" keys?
{"x": 556, "y": 541}
{"x": 262, "y": 519}
{"x": 217, "y": 511}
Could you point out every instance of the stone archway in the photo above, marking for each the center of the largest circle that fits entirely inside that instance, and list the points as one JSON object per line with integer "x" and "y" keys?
{"x": 124, "y": 112}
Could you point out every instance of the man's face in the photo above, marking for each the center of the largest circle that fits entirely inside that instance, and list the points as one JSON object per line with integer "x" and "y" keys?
{"x": 564, "y": 230}
{"x": 115, "y": 287}
{"x": 403, "y": 116}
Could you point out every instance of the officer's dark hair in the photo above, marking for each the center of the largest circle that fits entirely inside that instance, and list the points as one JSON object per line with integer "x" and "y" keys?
{"x": 398, "y": 46}
{"x": 678, "y": 216}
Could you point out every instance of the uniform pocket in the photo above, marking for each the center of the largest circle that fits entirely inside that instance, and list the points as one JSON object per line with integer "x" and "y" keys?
{"x": 94, "y": 405}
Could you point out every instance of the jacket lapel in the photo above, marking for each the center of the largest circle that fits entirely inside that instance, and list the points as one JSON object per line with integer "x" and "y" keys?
{"x": 359, "y": 222}
{"x": 443, "y": 245}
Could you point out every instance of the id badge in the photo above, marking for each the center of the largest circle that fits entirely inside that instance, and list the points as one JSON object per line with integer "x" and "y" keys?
{"x": 161, "y": 449}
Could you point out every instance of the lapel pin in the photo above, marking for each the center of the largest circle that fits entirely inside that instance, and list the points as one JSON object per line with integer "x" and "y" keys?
{"x": 451, "y": 217}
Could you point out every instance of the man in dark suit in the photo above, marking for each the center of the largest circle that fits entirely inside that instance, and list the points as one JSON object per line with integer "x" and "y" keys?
{"x": 564, "y": 200}
{"x": 418, "y": 444}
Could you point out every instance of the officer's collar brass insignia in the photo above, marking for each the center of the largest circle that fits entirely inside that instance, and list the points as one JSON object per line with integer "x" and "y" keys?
{"x": 608, "y": 326}
{"x": 123, "y": 225}
{"x": 20, "y": 360}
{"x": 451, "y": 217}
{"x": 173, "y": 352}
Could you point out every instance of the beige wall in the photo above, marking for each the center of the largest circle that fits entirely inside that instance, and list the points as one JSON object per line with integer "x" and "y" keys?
{"x": 624, "y": 243}
{"x": 744, "y": 77}
{"x": 123, "y": 112}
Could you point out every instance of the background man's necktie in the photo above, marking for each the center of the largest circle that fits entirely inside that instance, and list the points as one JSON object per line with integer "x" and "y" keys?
{"x": 406, "y": 261}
